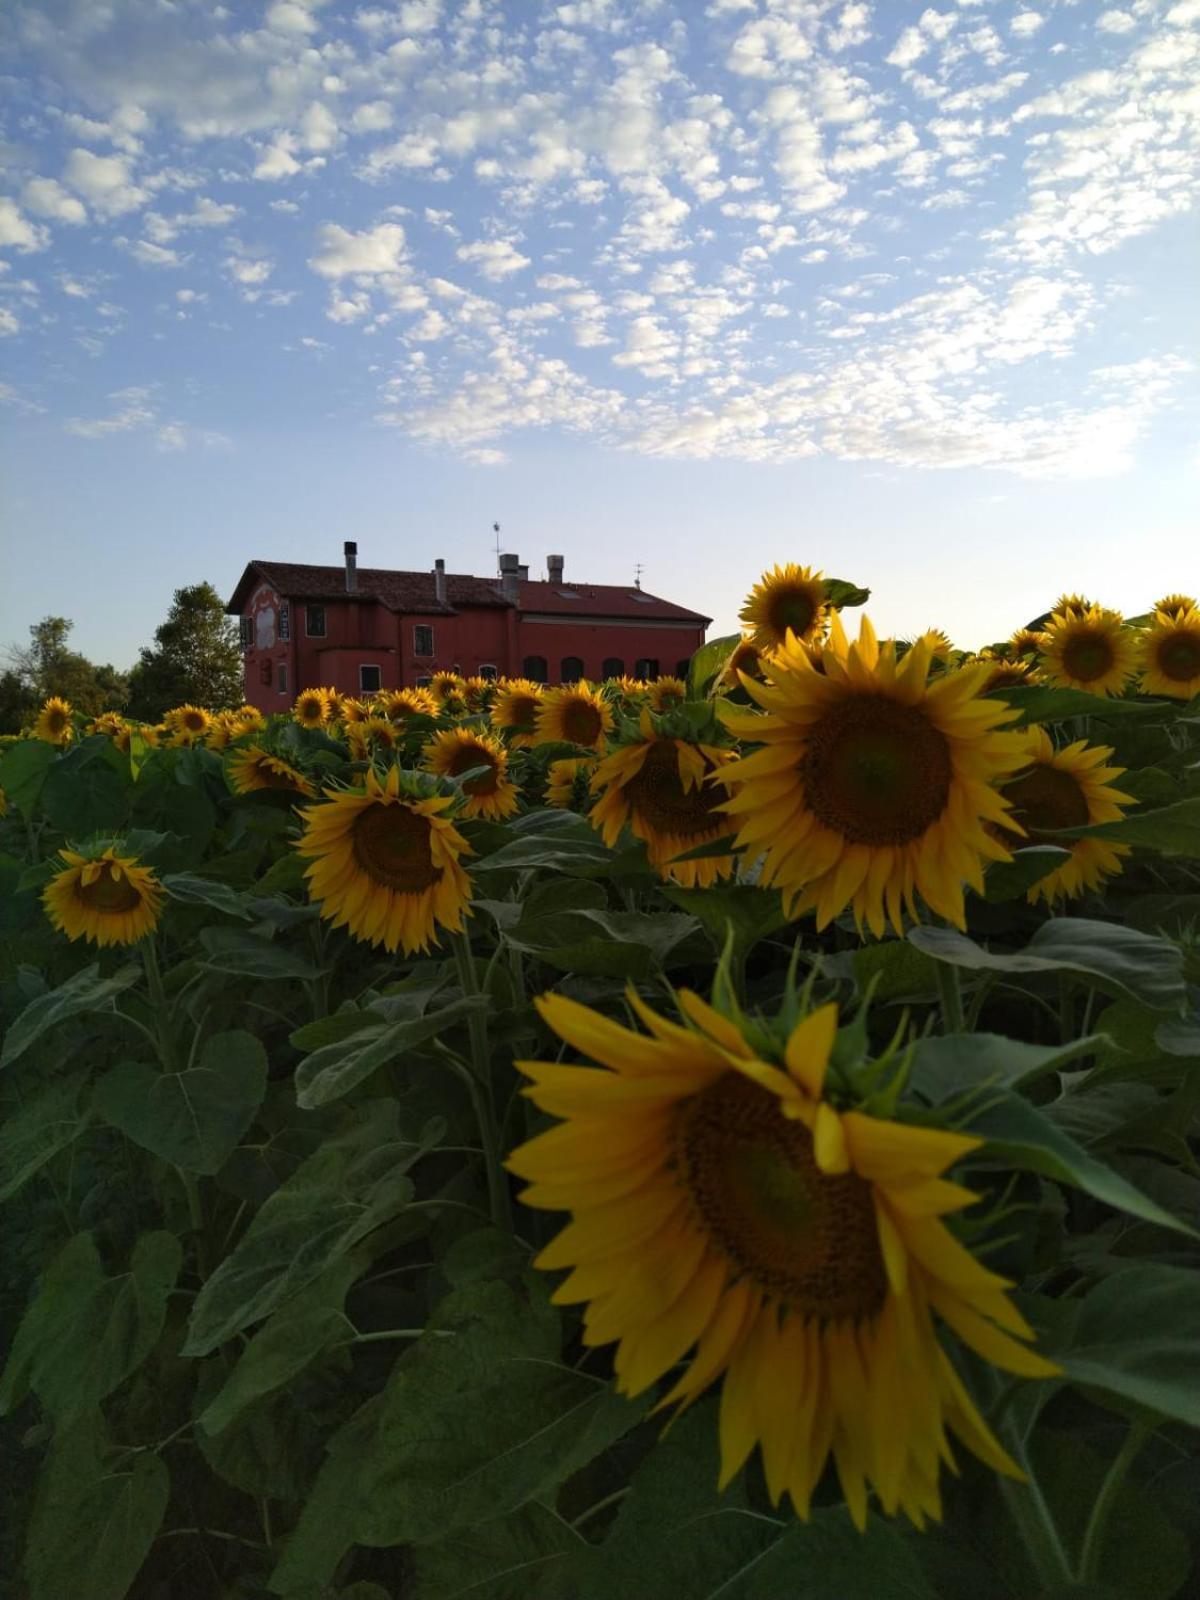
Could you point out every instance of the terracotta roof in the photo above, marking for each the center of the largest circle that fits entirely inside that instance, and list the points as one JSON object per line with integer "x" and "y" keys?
{"x": 413, "y": 592}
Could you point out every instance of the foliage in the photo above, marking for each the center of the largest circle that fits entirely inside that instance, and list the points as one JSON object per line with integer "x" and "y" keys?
{"x": 47, "y": 666}
{"x": 195, "y": 658}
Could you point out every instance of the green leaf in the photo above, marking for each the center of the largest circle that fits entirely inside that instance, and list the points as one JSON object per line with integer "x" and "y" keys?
{"x": 93, "y": 1515}
{"x": 571, "y": 847}
{"x": 1018, "y": 1133}
{"x": 23, "y": 770}
{"x": 1119, "y": 960}
{"x": 195, "y": 1118}
{"x": 351, "y": 1185}
{"x": 1173, "y": 830}
{"x": 89, "y": 790}
{"x": 523, "y": 1557}
{"x": 326, "y": 1529}
{"x": 479, "y": 1418}
{"x": 1012, "y": 880}
{"x": 899, "y": 969}
{"x": 247, "y": 955}
{"x": 46, "y": 1123}
{"x": 84, "y": 1332}
{"x": 961, "y": 1062}
{"x": 709, "y": 662}
{"x": 752, "y": 913}
{"x": 85, "y": 991}
{"x": 1135, "y": 1339}
{"x": 206, "y": 892}
{"x": 841, "y": 593}
{"x": 1043, "y": 704}
{"x": 335, "y": 1070}
{"x": 620, "y": 944}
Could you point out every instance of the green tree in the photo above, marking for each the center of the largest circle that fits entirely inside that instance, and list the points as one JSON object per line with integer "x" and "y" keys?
{"x": 48, "y": 666}
{"x": 195, "y": 659}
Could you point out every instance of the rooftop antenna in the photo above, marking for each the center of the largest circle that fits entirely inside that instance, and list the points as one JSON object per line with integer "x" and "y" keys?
{"x": 637, "y": 576}
{"x": 496, "y": 531}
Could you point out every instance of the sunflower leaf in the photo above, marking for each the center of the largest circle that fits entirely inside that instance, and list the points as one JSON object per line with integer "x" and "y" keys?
{"x": 340, "y": 1066}
{"x": 1010, "y": 880}
{"x": 85, "y": 991}
{"x": 206, "y": 892}
{"x": 46, "y": 1123}
{"x": 1174, "y": 830}
{"x": 1135, "y": 1339}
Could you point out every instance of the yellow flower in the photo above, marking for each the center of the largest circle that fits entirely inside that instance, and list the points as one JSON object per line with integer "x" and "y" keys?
{"x": 108, "y": 899}
{"x": 449, "y": 691}
{"x": 515, "y": 708}
{"x": 255, "y": 768}
{"x": 386, "y": 864}
{"x": 334, "y": 701}
{"x": 311, "y": 709}
{"x": 1169, "y": 652}
{"x": 941, "y": 650}
{"x": 574, "y": 714}
{"x": 379, "y": 733}
{"x": 787, "y": 599}
{"x": 479, "y": 693}
{"x": 567, "y": 782}
{"x": 1067, "y": 788}
{"x": 874, "y": 785}
{"x": 1026, "y": 642}
{"x": 1008, "y": 675}
{"x": 726, "y": 1213}
{"x": 401, "y": 705}
{"x": 109, "y": 723}
{"x": 666, "y": 693}
{"x": 660, "y": 787}
{"x": 188, "y": 724}
{"x": 1072, "y": 605}
{"x": 1089, "y": 650}
{"x": 251, "y": 718}
{"x": 53, "y": 725}
{"x": 492, "y": 795}
{"x": 746, "y": 658}
{"x": 1175, "y": 604}
{"x": 355, "y": 710}
{"x": 225, "y": 727}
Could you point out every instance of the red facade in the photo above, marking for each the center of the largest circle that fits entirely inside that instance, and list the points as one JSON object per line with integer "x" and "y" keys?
{"x": 359, "y": 629}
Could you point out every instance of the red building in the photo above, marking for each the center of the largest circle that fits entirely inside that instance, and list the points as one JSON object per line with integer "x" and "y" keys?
{"x": 364, "y": 629}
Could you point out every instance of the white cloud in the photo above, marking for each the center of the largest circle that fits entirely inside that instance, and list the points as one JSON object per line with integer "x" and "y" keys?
{"x": 17, "y": 232}
{"x": 9, "y": 324}
{"x": 341, "y": 253}
{"x": 131, "y": 410}
{"x": 1026, "y": 23}
{"x": 249, "y": 273}
{"x": 47, "y": 198}
{"x": 373, "y": 116}
{"x": 1116, "y": 22}
{"x": 494, "y": 259}
{"x": 148, "y": 254}
{"x": 106, "y": 182}
{"x": 277, "y": 160}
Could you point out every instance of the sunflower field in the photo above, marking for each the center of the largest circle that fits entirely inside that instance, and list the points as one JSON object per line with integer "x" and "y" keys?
{"x": 729, "y": 1139}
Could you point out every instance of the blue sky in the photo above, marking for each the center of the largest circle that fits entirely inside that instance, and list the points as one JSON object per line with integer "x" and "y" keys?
{"x": 903, "y": 292}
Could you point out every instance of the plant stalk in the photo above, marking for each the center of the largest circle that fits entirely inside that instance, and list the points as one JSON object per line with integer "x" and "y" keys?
{"x": 480, "y": 1082}
{"x": 1093, "y": 1537}
{"x": 950, "y": 995}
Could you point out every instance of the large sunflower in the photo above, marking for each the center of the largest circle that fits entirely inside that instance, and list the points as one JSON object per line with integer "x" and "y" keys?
{"x": 107, "y": 899}
{"x": 1089, "y": 650}
{"x": 666, "y": 693}
{"x": 724, "y": 1205}
{"x": 1067, "y": 788}
{"x": 386, "y": 863}
{"x": 1175, "y": 604}
{"x": 1072, "y": 605}
{"x": 255, "y": 768}
{"x": 874, "y": 785}
{"x": 574, "y": 714}
{"x": 660, "y": 786}
{"x": 787, "y": 599}
{"x": 53, "y": 724}
{"x": 493, "y": 794}
{"x": 515, "y": 708}
{"x": 311, "y": 708}
{"x": 567, "y": 783}
{"x": 188, "y": 724}
{"x": 1169, "y": 651}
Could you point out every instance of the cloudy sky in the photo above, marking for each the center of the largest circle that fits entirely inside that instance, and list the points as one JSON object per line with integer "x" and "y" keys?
{"x": 904, "y": 292}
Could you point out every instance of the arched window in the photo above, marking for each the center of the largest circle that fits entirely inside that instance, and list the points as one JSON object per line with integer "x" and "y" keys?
{"x": 613, "y": 667}
{"x": 488, "y": 671}
{"x": 571, "y": 669}
{"x": 646, "y": 667}
{"x": 535, "y": 669}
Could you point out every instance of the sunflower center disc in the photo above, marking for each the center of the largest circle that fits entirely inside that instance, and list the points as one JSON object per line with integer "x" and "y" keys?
{"x": 1179, "y": 658}
{"x": 876, "y": 772}
{"x": 271, "y": 778}
{"x": 581, "y": 722}
{"x": 1088, "y": 656}
{"x": 56, "y": 721}
{"x": 1044, "y": 799}
{"x": 808, "y": 1239}
{"x": 391, "y": 845}
{"x": 109, "y": 893}
{"x": 657, "y": 795}
{"x": 522, "y": 712}
{"x": 792, "y": 609}
{"x": 474, "y": 755}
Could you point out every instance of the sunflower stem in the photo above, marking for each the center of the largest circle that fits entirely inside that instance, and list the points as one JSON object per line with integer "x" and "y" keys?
{"x": 1093, "y": 1537}
{"x": 158, "y": 1001}
{"x": 480, "y": 1083}
{"x": 950, "y": 995}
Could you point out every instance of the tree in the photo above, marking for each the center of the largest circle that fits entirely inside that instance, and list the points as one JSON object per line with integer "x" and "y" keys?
{"x": 196, "y": 658}
{"x": 48, "y": 666}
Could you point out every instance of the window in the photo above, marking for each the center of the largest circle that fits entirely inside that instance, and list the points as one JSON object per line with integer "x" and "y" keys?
{"x": 246, "y": 631}
{"x": 370, "y": 680}
{"x": 570, "y": 669}
{"x": 314, "y": 621}
{"x": 488, "y": 671}
{"x": 646, "y": 667}
{"x": 285, "y": 620}
{"x": 264, "y": 671}
{"x": 681, "y": 668}
{"x": 613, "y": 667}
{"x": 535, "y": 669}
{"x": 423, "y": 683}
{"x": 282, "y": 681}
{"x": 422, "y": 640}
{"x": 264, "y": 628}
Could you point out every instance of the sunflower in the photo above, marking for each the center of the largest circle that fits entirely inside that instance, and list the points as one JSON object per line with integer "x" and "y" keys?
{"x": 255, "y": 768}
{"x": 1026, "y": 642}
{"x": 334, "y": 701}
{"x": 723, "y": 1205}
{"x": 109, "y": 723}
{"x": 223, "y": 729}
{"x": 1067, "y": 788}
{"x": 567, "y": 783}
{"x": 53, "y": 725}
{"x": 1170, "y": 654}
{"x": 574, "y": 715}
{"x": 251, "y": 718}
{"x": 386, "y": 863}
{"x": 492, "y": 795}
{"x": 941, "y": 650}
{"x": 667, "y": 693}
{"x": 660, "y": 786}
{"x": 1072, "y": 605}
{"x": 1007, "y": 674}
{"x": 630, "y": 688}
{"x": 401, "y": 705}
{"x": 311, "y": 709}
{"x": 449, "y": 690}
{"x": 108, "y": 899}
{"x": 380, "y": 733}
{"x": 874, "y": 785}
{"x": 188, "y": 724}
{"x": 745, "y": 657}
{"x": 479, "y": 693}
{"x": 788, "y": 599}
{"x": 1175, "y": 605}
{"x": 1089, "y": 650}
{"x": 355, "y": 710}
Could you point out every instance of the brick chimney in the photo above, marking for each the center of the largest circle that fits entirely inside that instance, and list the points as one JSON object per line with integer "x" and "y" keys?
{"x": 439, "y": 580}
{"x": 350, "y": 550}
{"x": 510, "y": 577}
{"x": 554, "y": 569}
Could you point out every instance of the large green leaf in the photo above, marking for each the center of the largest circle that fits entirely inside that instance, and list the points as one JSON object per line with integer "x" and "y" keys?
{"x": 24, "y": 767}
{"x": 46, "y": 1123}
{"x": 1011, "y": 880}
{"x": 1136, "y": 1339}
{"x": 85, "y": 991}
{"x": 1041, "y": 703}
{"x": 841, "y": 592}
{"x": 247, "y": 955}
{"x": 571, "y": 844}
{"x": 1174, "y": 830}
{"x": 956, "y": 1063}
{"x": 89, "y": 790}
{"x": 619, "y": 944}
{"x": 751, "y": 913}
{"x": 1118, "y": 959}
{"x": 193, "y": 1118}
{"x": 84, "y": 1332}
{"x": 209, "y": 892}
{"x": 898, "y": 969}
{"x": 348, "y": 1187}
{"x": 708, "y": 663}
{"x": 326, "y": 1529}
{"x": 522, "y": 1557}
{"x": 337, "y": 1068}
{"x": 94, "y": 1518}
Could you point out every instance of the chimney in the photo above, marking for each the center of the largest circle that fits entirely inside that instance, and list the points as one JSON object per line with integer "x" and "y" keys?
{"x": 510, "y": 577}
{"x": 439, "y": 580}
{"x": 350, "y": 548}
{"x": 554, "y": 569}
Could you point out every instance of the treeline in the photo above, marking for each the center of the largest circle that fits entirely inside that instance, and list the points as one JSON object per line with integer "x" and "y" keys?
{"x": 195, "y": 658}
